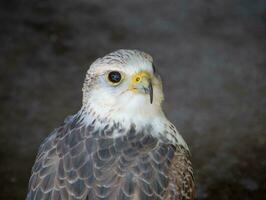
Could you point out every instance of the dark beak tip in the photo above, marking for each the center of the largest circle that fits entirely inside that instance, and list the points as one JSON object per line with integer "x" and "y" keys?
{"x": 151, "y": 92}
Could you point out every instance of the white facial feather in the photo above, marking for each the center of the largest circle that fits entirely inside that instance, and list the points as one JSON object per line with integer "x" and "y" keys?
{"x": 120, "y": 104}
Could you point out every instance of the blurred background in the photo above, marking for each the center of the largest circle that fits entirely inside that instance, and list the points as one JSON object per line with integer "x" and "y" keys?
{"x": 210, "y": 53}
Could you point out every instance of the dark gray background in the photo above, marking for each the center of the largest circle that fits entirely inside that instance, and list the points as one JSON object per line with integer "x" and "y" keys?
{"x": 211, "y": 55}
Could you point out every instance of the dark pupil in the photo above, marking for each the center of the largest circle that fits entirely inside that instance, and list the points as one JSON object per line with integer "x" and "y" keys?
{"x": 114, "y": 77}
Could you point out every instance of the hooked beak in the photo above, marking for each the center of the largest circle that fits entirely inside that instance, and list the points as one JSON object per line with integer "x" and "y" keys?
{"x": 150, "y": 91}
{"x": 141, "y": 82}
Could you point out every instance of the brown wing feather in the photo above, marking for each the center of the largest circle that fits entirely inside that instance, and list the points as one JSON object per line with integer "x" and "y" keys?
{"x": 164, "y": 173}
{"x": 181, "y": 186}
{"x": 82, "y": 162}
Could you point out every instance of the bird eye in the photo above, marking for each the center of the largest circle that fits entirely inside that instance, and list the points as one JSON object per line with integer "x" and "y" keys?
{"x": 114, "y": 77}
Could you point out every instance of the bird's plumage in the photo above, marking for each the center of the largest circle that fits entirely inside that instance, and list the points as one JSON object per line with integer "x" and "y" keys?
{"x": 100, "y": 155}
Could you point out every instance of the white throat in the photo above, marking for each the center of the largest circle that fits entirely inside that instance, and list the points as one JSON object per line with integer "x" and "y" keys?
{"x": 129, "y": 107}
{"x": 131, "y": 113}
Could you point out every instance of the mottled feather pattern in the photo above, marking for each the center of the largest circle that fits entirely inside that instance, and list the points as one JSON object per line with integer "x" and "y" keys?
{"x": 121, "y": 56}
{"x": 79, "y": 161}
{"x": 119, "y": 146}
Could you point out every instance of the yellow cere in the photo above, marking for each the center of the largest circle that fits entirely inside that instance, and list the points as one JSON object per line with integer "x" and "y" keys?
{"x": 139, "y": 76}
{"x": 139, "y": 79}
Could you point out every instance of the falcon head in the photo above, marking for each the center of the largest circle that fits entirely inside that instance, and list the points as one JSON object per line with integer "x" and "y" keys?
{"x": 123, "y": 84}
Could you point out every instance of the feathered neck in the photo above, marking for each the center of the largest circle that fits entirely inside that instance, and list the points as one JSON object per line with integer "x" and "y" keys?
{"x": 158, "y": 127}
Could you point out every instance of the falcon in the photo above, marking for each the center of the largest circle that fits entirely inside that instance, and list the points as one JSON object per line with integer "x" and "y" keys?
{"x": 119, "y": 145}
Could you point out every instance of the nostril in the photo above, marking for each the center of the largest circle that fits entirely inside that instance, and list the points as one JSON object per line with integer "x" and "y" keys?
{"x": 138, "y": 79}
